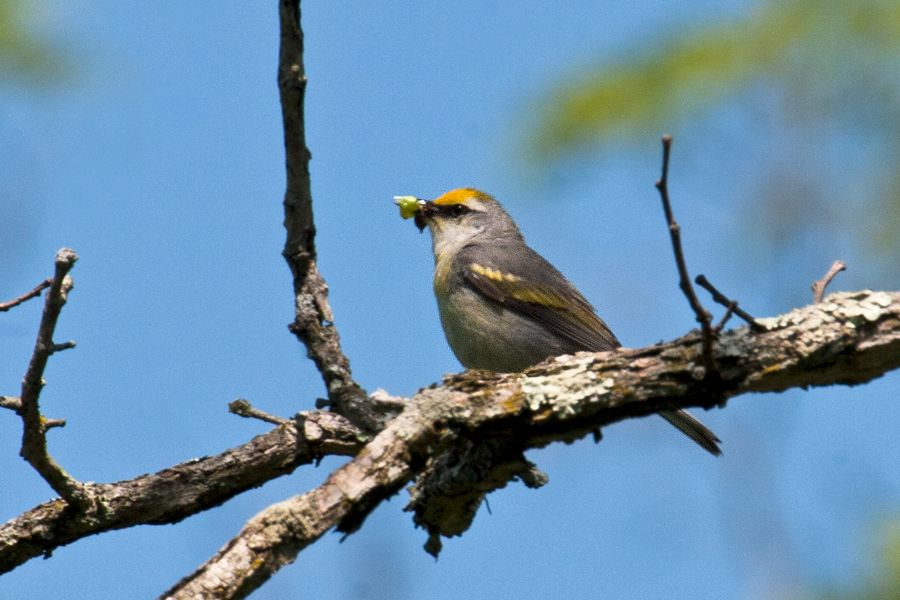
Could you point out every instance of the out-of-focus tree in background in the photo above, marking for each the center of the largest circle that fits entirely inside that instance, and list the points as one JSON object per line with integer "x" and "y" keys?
{"x": 884, "y": 582}
{"x": 806, "y": 75}
{"x": 26, "y": 57}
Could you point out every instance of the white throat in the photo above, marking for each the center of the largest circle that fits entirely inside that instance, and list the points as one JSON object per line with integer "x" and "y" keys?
{"x": 451, "y": 238}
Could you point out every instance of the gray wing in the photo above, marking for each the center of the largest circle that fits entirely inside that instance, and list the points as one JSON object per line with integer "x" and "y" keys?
{"x": 523, "y": 281}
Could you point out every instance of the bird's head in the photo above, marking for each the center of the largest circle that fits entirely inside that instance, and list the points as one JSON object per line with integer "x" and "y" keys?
{"x": 458, "y": 217}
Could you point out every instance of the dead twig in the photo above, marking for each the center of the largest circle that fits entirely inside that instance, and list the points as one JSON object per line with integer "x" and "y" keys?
{"x": 34, "y": 425}
{"x": 243, "y": 408}
{"x": 818, "y": 287}
{"x": 5, "y": 306}
{"x": 14, "y": 403}
{"x": 729, "y": 310}
{"x": 684, "y": 281}
{"x": 730, "y": 305}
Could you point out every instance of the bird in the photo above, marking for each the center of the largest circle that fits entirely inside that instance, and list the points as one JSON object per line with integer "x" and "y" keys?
{"x": 503, "y": 306}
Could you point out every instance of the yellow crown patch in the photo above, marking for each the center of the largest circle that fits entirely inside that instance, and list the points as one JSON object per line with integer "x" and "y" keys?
{"x": 459, "y": 196}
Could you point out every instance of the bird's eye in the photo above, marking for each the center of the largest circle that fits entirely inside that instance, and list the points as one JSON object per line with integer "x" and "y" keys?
{"x": 458, "y": 209}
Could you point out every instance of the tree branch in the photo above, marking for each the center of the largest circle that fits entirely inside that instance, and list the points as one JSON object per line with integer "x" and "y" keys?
{"x": 818, "y": 287}
{"x": 13, "y": 403}
{"x": 313, "y": 320}
{"x": 5, "y": 306}
{"x": 243, "y": 408}
{"x": 34, "y": 426}
{"x": 849, "y": 339}
{"x": 684, "y": 280}
{"x": 728, "y": 303}
{"x": 178, "y": 492}
{"x": 273, "y": 537}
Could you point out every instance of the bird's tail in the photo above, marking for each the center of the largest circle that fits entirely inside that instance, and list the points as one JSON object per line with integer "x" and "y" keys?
{"x": 690, "y": 426}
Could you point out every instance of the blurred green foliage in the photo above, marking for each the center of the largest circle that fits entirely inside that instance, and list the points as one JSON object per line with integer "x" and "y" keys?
{"x": 884, "y": 584}
{"x": 827, "y": 47}
{"x": 819, "y": 81}
{"x": 26, "y": 57}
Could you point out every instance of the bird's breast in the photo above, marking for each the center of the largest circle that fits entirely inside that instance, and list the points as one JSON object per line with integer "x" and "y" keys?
{"x": 442, "y": 265}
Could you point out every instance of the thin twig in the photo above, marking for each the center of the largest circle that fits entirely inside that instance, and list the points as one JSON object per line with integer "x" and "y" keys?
{"x": 13, "y": 403}
{"x": 727, "y": 302}
{"x": 729, "y": 310}
{"x": 34, "y": 441}
{"x": 5, "y": 306}
{"x": 684, "y": 280}
{"x": 818, "y": 287}
{"x": 243, "y": 408}
{"x": 62, "y": 346}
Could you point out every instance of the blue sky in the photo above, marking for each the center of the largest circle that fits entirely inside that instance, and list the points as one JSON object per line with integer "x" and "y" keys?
{"x": 161, "y": 164}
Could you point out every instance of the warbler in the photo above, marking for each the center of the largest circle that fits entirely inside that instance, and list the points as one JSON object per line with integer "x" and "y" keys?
{"x": 503, "y": 307}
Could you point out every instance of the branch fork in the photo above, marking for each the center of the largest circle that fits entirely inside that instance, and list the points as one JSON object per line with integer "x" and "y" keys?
{"x": 34, "y": 424}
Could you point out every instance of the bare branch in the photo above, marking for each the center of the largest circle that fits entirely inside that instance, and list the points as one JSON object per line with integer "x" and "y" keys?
{"x": 5, "y": 306}
{"x": 13, "y": 403}
{"x": 62, "y": 346}
{"x": 178, "y": 492}
{"x": 313, "y": 321}
{"x": 729, "y": 310}
{"x": 34, "y": 440}
{"x": 561, "y": 399}
{"x": 684, "y": 280}
{"x": 275, "y": 536}
{"x": 728, "y": 303}
{"x": 243, "y": 408}
{"x": 818, "y": 287}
